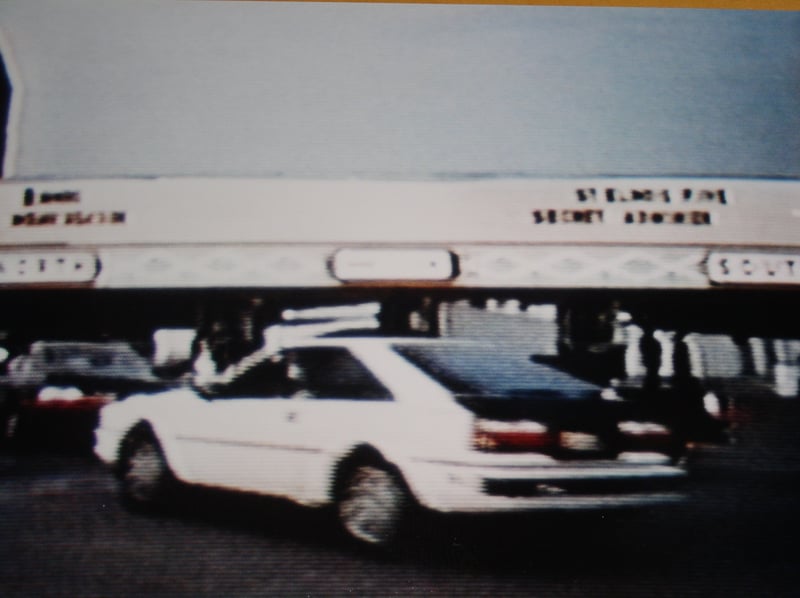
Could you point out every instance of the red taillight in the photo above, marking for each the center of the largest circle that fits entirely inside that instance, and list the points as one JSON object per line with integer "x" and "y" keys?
{"x": 70, "y": 399}
{"x": 494, "y": 435}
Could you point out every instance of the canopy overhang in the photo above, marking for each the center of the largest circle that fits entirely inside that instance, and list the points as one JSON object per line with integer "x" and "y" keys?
{"x": 610, "y": 233}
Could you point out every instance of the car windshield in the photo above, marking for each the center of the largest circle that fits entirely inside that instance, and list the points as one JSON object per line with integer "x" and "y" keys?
{"x": 493, "y": 371}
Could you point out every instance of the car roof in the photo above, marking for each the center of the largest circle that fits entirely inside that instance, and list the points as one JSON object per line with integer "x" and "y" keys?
{"x": 82, "y": 344}
{"x": 371, "y": 341}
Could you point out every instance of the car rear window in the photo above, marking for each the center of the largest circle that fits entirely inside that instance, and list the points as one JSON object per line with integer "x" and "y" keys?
{"x": 496, "y": 371}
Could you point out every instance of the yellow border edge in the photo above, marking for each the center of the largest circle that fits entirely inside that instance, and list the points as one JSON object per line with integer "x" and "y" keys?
{"x": 767, "y": 5}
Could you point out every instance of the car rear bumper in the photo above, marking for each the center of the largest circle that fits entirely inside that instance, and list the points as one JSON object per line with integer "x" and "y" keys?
{"x": 471, "y": 487}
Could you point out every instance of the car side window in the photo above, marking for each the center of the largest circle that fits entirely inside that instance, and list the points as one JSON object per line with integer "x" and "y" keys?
{"x": 101, "y": 360}
{"x": 264, "y": 380}
{"x": 332, "y": 373}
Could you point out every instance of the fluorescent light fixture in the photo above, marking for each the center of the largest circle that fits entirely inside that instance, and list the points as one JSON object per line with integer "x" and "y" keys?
{"x": 379, "y": 264}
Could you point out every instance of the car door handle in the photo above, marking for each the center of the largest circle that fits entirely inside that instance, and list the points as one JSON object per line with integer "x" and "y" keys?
{"x": 291, "y": 416}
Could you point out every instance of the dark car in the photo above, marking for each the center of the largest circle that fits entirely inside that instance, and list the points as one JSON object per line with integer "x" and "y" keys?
{"x": 53, "y": 393}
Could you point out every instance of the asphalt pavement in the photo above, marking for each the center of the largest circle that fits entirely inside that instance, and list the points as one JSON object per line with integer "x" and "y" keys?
{"x": 64, "y": 533}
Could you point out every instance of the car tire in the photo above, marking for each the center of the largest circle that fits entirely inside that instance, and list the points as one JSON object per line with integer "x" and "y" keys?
{"x": 146, "y": 481}
{"x": 373, "y": 505}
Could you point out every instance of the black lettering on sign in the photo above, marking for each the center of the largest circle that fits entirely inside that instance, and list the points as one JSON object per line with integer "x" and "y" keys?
{"x": 613, "y": 195}
{"x": 696, "y": 217}
{"x": 84, "y": 218}
{"x": 717, "y": 196}
{"x": 60, "y": 197}
{"x": 34, "y": 219}
{"x": 567, "y": 216}
{"x": 49, "y": 197}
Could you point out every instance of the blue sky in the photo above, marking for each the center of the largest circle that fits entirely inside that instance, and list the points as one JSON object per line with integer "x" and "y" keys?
{"x": 400, "y": 91}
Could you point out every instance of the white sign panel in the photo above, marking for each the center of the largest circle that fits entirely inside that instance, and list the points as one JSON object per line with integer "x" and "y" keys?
{"x": 754, "y": 267}
{"x": 47, "y": 267}
{"x": 393, "y": 264}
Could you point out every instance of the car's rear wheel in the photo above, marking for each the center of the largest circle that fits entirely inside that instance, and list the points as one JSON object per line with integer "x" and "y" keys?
{"x": 146, "y": 479}
{"x": 373, "y": 505}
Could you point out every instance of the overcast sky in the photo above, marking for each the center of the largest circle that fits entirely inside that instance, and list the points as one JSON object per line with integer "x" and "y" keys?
{"x": 399, "y": 91}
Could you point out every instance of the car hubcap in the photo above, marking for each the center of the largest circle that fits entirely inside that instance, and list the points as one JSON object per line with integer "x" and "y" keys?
{"x": 371, "y": 506}
{"x": 145, "y": 469}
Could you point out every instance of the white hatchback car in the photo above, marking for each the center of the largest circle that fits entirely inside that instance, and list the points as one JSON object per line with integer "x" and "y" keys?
{"x": 380, "y": 426}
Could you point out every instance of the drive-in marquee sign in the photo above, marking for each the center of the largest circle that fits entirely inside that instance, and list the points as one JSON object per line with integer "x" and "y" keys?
{"x": 638, "y": 233}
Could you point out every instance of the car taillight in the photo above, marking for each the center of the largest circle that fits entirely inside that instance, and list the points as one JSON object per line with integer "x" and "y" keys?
{"x": 646, "y": 436}
{"x": 511, "y": 436}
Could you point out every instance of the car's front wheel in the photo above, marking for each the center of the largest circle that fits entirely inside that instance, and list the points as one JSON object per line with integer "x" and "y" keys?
{"x": 146, "y": 479}
{"x": 373, "y": 505}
